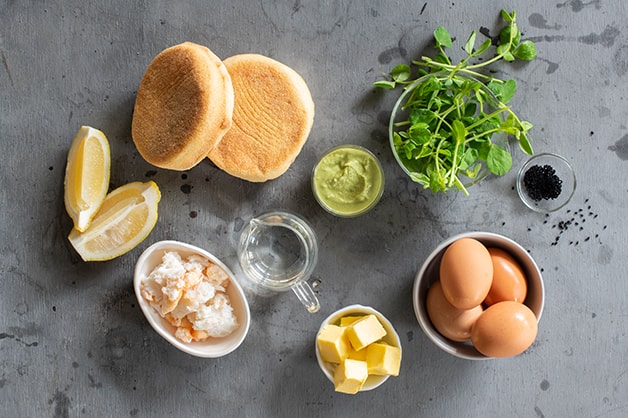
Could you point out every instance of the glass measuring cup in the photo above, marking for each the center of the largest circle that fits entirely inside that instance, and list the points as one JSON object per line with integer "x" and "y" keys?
{"x": 278, "y": 252}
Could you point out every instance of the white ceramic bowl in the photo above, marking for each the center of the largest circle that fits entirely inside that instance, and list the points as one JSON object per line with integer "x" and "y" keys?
{"x": 391, "y": 338}
{"x": 429, "y": 273}
{"x": 211, "y": 347}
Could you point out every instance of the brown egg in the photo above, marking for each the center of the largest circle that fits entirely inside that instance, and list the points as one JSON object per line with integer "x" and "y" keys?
{"x": 509, "y": 280}
{"x": 504, "y": 329}
{"x": 451, "y": 322}
{"x": 466, "y": 273}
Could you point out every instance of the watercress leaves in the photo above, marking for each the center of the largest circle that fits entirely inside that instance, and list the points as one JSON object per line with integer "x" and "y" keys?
{"x": 504, "y": 91}
{"x": 525, "y": 51}
{"x": 399, "y": 74}
{"x": 468, "y": 46}
{"x": 442, "y": 38}
{"x": 498, "y": 160}
{"x": 457, "y": 117}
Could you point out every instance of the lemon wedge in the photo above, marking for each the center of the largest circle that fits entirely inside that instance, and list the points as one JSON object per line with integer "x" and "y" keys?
{"x": 86, "y": 176}
{"x": 125, "y": 218}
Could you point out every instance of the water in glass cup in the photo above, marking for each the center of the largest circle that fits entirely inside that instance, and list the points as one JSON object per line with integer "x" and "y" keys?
{"x": 278, "y": 252}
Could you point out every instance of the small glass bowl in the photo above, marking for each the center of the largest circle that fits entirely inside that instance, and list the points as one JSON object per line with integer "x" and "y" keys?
{"x": 329, "y": 199}
{"x": 563, "y": 171}
{"x": 400, "y": 114}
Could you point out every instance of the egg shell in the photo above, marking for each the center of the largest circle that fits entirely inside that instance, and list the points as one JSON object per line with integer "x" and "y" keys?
{"x": 451, "y": 322}
{"x": 509, "y": 280}
{"x": 466, "y": 273}
{"x": 504, "y": 329}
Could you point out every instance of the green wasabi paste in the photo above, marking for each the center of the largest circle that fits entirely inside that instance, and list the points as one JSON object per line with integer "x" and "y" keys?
{"x": 348, "y": 180}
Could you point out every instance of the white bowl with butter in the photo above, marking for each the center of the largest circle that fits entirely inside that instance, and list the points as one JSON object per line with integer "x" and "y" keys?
{"x": 209, "y": 347}
{"x": 391, "y": 338}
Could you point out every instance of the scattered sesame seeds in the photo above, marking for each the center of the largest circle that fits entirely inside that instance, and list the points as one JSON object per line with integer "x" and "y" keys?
{"x": 577, "y": 221}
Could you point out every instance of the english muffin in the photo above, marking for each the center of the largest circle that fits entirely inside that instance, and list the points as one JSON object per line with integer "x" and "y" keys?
{"x": 183, "y": 107}
{"x": 272, "y": 118}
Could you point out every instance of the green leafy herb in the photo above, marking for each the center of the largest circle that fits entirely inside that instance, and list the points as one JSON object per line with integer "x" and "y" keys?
{"x": 458, "y": 118}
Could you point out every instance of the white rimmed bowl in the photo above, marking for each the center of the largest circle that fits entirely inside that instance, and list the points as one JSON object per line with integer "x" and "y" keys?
{"x": 211, "y": 347}
{"x": 429, "y": 273}
{"x": 391, "y": 338}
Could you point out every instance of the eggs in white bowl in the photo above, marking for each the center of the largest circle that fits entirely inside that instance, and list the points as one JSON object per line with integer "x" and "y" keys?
{"x": 210, "y": 347}
{"x": 477, "y": 324}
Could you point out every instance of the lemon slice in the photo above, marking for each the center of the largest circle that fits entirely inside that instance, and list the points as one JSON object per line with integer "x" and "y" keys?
{"x": 125, "y": 218}
{"x": 86, "y": 176}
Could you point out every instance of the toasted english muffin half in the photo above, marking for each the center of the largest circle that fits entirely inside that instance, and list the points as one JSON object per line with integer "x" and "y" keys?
{"x": 272, "y": 118}
{"x": 183, "y": 107}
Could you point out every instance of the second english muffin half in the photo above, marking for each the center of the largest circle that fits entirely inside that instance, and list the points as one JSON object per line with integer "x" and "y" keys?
{"x": 272, "y": 118}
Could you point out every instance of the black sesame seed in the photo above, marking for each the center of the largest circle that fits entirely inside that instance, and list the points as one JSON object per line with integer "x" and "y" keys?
{"x": 541, "y": 182}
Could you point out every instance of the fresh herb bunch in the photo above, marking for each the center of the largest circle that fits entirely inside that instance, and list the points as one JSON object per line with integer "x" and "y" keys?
{"x": 454, "y": 113}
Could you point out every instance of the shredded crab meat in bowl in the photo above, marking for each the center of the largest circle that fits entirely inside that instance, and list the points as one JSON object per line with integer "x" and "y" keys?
{"x": 191, "y": 295}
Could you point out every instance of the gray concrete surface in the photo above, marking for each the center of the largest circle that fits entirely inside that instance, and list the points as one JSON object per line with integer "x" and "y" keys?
{"x": 73, "y": 341}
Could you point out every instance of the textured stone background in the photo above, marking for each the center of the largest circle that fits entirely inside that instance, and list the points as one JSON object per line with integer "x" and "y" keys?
{"x": 73, "y": 341}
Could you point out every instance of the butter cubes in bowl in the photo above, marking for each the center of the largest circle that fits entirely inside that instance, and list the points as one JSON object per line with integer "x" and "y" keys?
{"x": 358, "y": 349}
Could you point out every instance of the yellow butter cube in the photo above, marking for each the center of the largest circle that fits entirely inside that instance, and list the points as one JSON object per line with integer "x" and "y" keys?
{"x": 333, "y": 344}
{"x": 383, "y": 359}
{"x": 348, "y": 320}
{"x": 365, "y": 331}
{"x": 357, "y": 355}
{"x": 350, "y": 376}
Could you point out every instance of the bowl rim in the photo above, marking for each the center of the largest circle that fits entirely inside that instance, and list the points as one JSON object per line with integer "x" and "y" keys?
{"x": 212, "y": 347}
{"x": 373, "y": 381}
{"x": 521, "y": 189}
{"x": 451, "y": 347}
{"x": 367, "y": 208}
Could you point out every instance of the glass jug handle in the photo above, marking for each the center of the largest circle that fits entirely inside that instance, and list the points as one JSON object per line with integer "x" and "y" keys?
{"x": 307, "y": 297}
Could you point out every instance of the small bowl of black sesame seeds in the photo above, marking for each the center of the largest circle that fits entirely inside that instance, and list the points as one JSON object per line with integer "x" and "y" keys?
{"x": 546, "y": 182}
